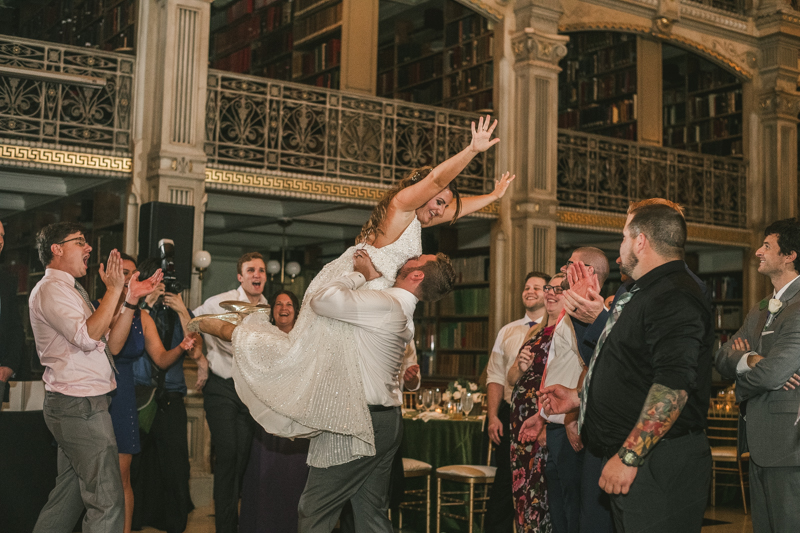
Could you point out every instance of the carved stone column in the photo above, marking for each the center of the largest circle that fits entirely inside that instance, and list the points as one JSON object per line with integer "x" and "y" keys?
{"x": 533, "y": 152}
{"x": 172, "y": 69}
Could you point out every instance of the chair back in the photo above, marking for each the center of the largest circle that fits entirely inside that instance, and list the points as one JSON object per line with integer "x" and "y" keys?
{"x": 409, "y": 399}
{"x": 723, "y": 421}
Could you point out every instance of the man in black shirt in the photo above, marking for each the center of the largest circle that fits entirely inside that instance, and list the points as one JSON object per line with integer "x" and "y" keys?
{"x": 646, "y": 394}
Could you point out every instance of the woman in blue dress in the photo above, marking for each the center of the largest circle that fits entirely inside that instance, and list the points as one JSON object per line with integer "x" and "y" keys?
{"x": 142, "y": 337}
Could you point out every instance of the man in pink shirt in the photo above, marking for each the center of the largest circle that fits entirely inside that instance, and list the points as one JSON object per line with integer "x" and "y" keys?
{"x": 79, "y": 371}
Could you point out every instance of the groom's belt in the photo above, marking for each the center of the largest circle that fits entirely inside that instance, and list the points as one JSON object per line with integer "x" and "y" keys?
{"x": 379, "y": 408}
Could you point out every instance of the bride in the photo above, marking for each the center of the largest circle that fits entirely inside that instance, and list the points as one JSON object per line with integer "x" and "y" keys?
{"x": 307, "y": 383}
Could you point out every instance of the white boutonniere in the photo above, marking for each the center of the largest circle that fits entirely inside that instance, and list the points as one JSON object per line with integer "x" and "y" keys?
{"x": 774, "y": 305}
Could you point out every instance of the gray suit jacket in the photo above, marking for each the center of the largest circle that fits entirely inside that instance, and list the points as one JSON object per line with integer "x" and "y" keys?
{"x": 769, "y": 433}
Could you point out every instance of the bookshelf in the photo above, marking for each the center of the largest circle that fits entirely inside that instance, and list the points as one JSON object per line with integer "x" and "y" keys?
{"x": 104, "y": 24}
{"x": 725, "y": 290}
{"x": 598, "y": 85}
{"x": 288, "y": 40}
{"x": 702, "y": 105}
{"x": 440, "y": 53}
{"x": 452, "y": 335}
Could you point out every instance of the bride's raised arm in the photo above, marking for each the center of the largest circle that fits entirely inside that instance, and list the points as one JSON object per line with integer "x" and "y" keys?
{"x": 415, "y": 196}
{"x": 474, "y": 203}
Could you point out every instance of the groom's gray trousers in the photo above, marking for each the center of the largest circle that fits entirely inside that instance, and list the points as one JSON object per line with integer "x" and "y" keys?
{"x": 364, "y": 482}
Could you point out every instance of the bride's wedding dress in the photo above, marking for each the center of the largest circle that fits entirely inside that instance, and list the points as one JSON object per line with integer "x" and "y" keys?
{"x": 307, "y": 383}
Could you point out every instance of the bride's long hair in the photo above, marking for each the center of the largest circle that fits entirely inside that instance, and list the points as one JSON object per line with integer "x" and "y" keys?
{"x": 371, "y": 230}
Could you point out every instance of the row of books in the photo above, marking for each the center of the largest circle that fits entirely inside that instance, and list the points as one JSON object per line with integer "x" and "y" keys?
{"x": 323, "y": 56}
{"x": 470, "y": 53}
{"x": 276, "y": 45}
{"x": 622, "y": 55}
{"x": 716, "y": 104}
{"x": 703, "y": 80}
{"x": 328, "y": 80}
{"x": 237, "y": 10}
{"x": 385, "y": 83}
{"x": 613, "y": 113}
{"x": 427, "y": 93}
{"x": 87, "y": 12}
{"x": 471, "y": 269}
{"x": 730, "y": 126}
{"x": 303, "y": 5}
{"x": 724, "y": 287}
{"x": 463, "y": 335}
{"x": 727, "y": 317}
{"x": 465, "y": 29}
{"x": 276, "y": 15}
{"x": 238, "y": 61}
{"x": 120, "y": 17}
{"x": 237, "y": 36}
{"x": 609, "y": 86}
{"x": 317, "y": 22}
{"x": 467, "y": 301}
{"x": 410, "y": 51}
{"x": 420, "y": 71}
{"x": 278, "y": 70}
{"x": 482, "y": 101}
{"x": 466, "y": 81}
{"x": 454, "y": 364}
{"x": 590, "y": 41}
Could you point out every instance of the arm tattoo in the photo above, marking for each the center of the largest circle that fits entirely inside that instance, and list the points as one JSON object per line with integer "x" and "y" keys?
{"x": 661, "y": 409}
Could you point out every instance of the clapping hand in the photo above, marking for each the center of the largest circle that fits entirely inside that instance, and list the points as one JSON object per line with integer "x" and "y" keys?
{"x": 582, "y": 301}
{"x": 112, "y": 274}
{"x": 137, "y": 289}
{"x": 481, "y": 136}
{"x": 557, "y": 399}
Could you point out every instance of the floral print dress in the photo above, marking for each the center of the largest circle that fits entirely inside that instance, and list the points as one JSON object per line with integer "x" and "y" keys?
{"x": 528, "y": 459}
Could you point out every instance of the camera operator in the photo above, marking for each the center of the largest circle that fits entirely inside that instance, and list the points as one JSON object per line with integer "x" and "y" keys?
{"x": 228, "y": 418}
{"x": 162, "y": 494}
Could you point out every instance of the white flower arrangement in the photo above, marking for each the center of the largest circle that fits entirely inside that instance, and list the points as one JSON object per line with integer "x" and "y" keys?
{"x": 456, "y": 389}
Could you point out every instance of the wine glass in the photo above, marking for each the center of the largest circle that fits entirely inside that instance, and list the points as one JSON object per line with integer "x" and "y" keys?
{"x": 437, "y": 397}
{"x": 427, "y": 398}
{"x": 419, "y": 400}
{"x": 466, "y": 403}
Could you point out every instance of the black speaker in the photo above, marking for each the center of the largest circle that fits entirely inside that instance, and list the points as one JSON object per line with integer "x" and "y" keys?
{"x": 159, "y": 220}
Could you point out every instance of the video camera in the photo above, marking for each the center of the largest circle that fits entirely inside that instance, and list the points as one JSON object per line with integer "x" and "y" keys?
{"x": 166, "y": 249}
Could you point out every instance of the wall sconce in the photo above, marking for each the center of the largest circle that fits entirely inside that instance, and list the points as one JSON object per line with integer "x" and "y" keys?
{"x": 201, "y": 260}
{"x": 292, "y": 267}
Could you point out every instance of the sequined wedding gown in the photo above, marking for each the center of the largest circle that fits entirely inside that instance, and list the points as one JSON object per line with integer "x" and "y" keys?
{"x": 307, "y": 383}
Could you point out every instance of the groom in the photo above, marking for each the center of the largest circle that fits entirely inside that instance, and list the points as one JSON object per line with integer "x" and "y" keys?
{"x": 763, "y": 357}
{"x": 384, "y": 324}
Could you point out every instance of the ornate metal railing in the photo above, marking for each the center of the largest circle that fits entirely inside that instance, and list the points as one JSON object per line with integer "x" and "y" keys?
{"x": 285, "y": 127}
{"x": 37, "y": 106}
{"x": 731, "y": 6}
{"x": 606, "y": 174}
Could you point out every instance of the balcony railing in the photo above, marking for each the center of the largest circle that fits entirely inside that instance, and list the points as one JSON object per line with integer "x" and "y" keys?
{"x": 278, "y": 126}
{"x": 731, "y": 6}
{"x": 605, "y": 174}
{"x": 38, "y": 107}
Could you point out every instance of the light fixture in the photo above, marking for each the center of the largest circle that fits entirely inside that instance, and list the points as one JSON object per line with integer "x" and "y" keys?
{"x": 292, "y": 267}
{"x": 201, "y": 260}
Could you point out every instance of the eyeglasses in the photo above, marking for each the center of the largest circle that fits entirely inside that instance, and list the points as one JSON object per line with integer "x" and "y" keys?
{"x": 81, "y": 241}
{"x": 556, "y": 290}
{"x": 573, "y": 262}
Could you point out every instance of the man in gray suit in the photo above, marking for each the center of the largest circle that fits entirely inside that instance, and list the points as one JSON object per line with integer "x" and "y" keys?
{"x": 763, "y": 357}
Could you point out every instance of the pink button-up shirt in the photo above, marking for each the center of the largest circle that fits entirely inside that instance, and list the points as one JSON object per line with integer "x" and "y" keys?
{"x": 75, "y": 364}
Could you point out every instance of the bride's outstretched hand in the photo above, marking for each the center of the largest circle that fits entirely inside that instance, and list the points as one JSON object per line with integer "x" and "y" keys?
{"x": 501, "y": 185}
{"x": 482, "y": 134}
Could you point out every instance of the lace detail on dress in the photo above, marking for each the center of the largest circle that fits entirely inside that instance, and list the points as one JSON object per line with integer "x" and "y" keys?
{"x": 308, "y": 383}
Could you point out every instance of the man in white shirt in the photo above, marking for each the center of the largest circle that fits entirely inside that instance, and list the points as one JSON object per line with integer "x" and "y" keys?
{"x": 500, "y": 510}
{"x": 384, "y": 324}
{"x": 71, "y": 337}
{"x": 228, "y": 418}
{"x": 763, "y": 357}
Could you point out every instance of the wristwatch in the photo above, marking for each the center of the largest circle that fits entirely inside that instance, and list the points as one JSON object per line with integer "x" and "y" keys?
{"x": 630, "y": 457}
{"x": 130, "y": 306}
{"x": 144, "y": 307}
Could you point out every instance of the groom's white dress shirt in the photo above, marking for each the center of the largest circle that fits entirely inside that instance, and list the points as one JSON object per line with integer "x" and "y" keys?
{"x": 384, "y": 325}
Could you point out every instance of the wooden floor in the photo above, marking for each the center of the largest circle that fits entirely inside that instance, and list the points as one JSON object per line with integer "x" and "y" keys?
{"x": 719, "y": 519}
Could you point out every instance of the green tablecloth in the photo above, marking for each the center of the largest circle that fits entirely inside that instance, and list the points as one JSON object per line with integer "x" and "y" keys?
{"x": 440, "y": 443}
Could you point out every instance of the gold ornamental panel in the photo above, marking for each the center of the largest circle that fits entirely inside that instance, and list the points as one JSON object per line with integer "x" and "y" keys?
{"x": 64, "y": 158}
{"x": 307, "y": 188}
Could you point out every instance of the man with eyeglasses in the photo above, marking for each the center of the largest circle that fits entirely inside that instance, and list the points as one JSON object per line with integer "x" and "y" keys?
{"x": 10, "y": 327}
{"x": 71, "y": 340}
{"x": 500, "y": 510}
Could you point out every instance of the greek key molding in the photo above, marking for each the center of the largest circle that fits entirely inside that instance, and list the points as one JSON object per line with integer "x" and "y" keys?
{"x": 712, "y": 52}
{"x": 597, "y": 221}
{"x": 532, "y": 45}
{"x": 64, "y": 158}
{"x": 294, "y": 186}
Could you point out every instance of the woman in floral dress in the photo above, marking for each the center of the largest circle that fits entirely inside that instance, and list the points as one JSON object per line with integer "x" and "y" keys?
{"x": 528, "y": 459}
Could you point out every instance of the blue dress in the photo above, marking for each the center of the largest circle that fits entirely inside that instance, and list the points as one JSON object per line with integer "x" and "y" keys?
{"x": 124, "y": 416}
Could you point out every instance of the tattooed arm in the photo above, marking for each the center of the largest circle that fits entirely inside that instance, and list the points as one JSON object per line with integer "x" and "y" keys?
{"x": 661, "y": 409}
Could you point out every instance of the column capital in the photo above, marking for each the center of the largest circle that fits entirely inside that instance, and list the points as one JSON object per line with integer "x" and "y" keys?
{"x": 780, "y": 104}
{"x": 534, "y": 45}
